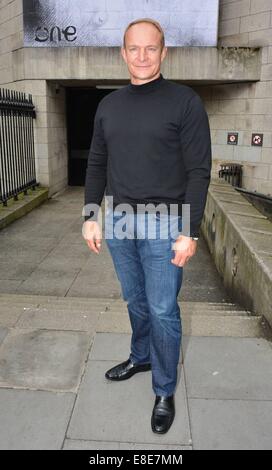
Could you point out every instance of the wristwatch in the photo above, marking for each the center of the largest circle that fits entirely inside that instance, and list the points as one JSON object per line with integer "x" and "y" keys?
{"x": 194, "y": 238}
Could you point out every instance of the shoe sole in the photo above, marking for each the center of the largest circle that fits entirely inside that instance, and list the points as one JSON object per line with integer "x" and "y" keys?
{"x": 130, "y": 374}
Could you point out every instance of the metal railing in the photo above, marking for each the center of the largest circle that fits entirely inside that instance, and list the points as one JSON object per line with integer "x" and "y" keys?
{"x": 17, "y": 156}
{"x": 232, "y": 173}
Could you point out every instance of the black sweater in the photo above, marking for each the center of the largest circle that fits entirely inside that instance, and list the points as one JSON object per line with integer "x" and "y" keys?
{"x": 151, "y": 144}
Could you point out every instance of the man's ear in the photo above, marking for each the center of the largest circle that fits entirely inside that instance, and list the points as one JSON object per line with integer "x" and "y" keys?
{"x": 123, "y": 53}
{"x": 163, "y": 53}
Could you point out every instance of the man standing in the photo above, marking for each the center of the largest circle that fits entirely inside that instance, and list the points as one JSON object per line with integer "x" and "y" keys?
{"x": 151, "y": 145}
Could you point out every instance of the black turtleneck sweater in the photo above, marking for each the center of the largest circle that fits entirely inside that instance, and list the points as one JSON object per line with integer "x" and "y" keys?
{"x": 151, "y": 144}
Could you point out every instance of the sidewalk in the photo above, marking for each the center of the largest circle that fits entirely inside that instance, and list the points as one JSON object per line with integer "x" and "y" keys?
{"x": 63, "y": 324}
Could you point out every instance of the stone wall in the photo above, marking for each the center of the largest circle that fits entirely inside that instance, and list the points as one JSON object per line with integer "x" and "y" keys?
{"x": 11, "y": 36}
{"x": 244, "y": 107}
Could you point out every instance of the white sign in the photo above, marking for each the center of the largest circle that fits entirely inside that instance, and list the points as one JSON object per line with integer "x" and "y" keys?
{"x": 102, "y": 22}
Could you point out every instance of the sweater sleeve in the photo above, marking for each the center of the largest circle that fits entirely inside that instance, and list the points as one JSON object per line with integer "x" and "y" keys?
{"x": 96, "y": 172}
{"x": 196, "y": 150}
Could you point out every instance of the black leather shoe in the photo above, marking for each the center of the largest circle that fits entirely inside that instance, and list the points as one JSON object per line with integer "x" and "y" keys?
{"x": 125, "y": 370}
{"x": 163, "y": 414}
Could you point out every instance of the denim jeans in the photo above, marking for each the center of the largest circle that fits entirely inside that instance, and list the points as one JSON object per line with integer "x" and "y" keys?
{"x": 150, "y": 284}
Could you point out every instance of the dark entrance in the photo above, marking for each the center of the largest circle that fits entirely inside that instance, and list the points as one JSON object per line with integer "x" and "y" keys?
{"x": 81, "y": 107}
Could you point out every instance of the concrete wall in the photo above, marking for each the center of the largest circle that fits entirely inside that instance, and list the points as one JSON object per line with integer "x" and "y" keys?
{"x": 239, "y": 239}
{"x": 11, "y": 36}
{"x": 244, "y": 107}
{"x": 57, "y": 137}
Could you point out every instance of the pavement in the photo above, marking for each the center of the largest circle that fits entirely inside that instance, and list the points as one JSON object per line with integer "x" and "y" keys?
{"x": 63, "y": 324}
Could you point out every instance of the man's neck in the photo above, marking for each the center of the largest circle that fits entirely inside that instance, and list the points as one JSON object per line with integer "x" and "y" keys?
{"x": 139, "y": 81}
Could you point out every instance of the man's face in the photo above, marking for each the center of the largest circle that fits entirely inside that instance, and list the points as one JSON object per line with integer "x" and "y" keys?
{"x": 143, "y": 53}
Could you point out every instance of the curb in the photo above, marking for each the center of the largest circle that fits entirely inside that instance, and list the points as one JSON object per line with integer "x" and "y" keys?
{"x": 17, "y": 209}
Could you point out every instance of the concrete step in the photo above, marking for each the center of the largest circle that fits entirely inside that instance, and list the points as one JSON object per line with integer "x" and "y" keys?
{"x": 196, "y": 305}
{"x": 99, "y": 308}
{"x": 37, "y": 300}
{"x": 11, "y": 301}
{"x": 6, "y": 297}
{"x": 32, "y": 300}
{"x": 196, "y": 325}
{"x": 198, "y": 318}
{"x": 191, "y": 311}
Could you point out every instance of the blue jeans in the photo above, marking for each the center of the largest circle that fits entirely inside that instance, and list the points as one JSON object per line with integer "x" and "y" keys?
{"x": 150, "y": 284}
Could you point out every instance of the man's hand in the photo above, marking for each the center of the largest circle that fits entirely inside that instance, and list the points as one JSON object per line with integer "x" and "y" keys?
{"x": 184, "y": 248}
{"x": 92, "y": 234}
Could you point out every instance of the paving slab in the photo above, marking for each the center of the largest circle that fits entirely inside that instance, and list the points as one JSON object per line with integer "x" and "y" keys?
{"x": 44, "y": 360}
{"x": 22, "y": 254}
{"x": 231, "y": 424}
{"x": 71, "y": 444}
{"x": 16, "y": 271}
{"x": 96, "y": 275}
{"x": 53, "y": 318}
{"x": 3, "y": 333}
{"x": 73, "y": 251}
{"x": 64, "y": 260}
{"x": 110, "y": 346}
{"x": 76, "y": 444}
{"x": 144, "y": 446}
{"x": 228, "y": 368}
{"x": 73, "y": 237}
{"x": 93, "y": 286}
{"x": 9, "y": 286}
{"x": 114, "y": 323}
{"x": 24, "y": 241}
{"x": 46, "y": 281}
{"x": 9, "y": 315}
{"x": 121, "y": 411}
{"x": 34, "y": 420}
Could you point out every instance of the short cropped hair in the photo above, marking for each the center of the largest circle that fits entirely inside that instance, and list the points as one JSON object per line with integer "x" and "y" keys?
{"x": 145, "y": 20}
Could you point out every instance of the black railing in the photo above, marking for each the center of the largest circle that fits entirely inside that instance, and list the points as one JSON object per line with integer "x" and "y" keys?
{"x": 231, "y": 172}
{"x": 17, "y": 156}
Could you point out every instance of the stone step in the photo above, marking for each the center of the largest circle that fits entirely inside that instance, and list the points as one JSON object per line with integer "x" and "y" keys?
{"x": 190, "y": 310}
{"x": 198, "y": 318}
{"x": 49, "y": 298}
{"x": 196, "y": 325}
{"x": 86, "y": 303}
{"x": 18, "y": 299}
{"x": 12, "y": 301}
{"x": 99, "y": 308}
{"x": 198, "y": 305}
{"x": 92, "y": 305}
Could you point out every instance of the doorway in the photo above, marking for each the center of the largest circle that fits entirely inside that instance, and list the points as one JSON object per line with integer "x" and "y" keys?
{"x": 81, "y": 108}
